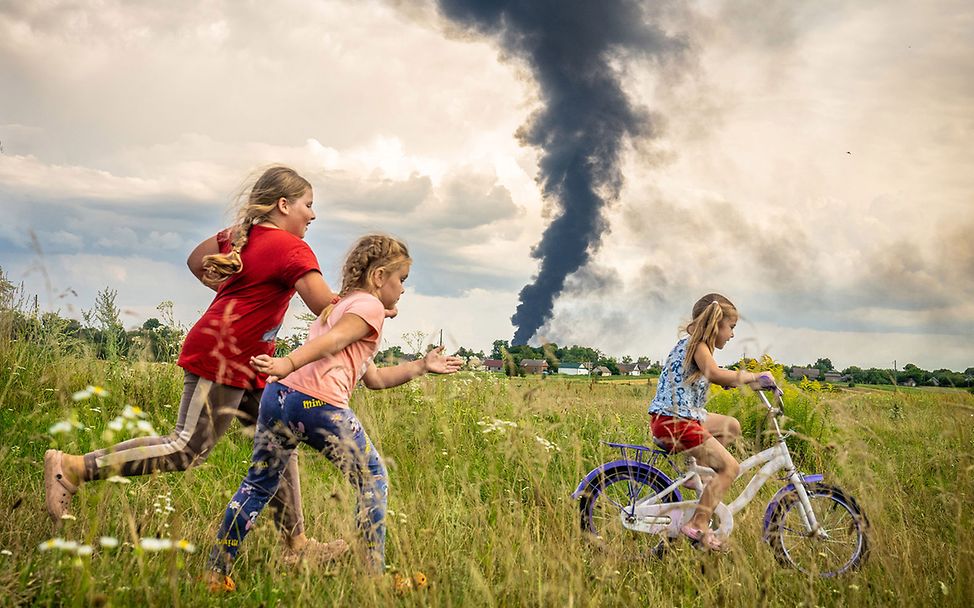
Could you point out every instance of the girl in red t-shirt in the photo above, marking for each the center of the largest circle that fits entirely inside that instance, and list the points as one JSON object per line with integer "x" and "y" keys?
{"x": 309, "y": 402}
{"x": 255, "y": 267}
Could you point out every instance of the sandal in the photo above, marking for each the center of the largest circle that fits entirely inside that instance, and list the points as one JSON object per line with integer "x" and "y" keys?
{"x": 317, "y": 552}
{"x": 57, "y": 489}
{"x": 703, "y": 539}
{"x": 403, "y": 584}
{"x": 219, "y": 583}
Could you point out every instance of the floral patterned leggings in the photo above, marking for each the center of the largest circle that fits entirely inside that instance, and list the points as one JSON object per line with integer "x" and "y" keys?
{"x": 287, "y": 418}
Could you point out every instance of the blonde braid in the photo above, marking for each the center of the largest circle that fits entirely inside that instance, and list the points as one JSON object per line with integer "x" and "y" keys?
{"x": 275, "y": 183}
{"x": 370, "y": 253}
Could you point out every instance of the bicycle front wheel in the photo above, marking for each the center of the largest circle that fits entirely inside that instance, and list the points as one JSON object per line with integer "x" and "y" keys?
{"x": 838, "y": 545}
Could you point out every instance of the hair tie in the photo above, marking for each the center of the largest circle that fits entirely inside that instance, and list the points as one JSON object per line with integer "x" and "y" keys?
{"x": 336, "y": 300}
{"x": 715, "y": 302}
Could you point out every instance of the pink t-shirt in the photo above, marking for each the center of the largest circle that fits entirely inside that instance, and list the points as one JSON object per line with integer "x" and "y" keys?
{"x": 332, "y": 379}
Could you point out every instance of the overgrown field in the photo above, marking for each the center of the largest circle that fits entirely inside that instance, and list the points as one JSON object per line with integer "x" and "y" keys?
{"x": 485, "y": 514}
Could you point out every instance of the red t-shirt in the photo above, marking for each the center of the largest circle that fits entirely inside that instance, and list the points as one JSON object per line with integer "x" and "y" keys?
{"x": 247, "y": 312}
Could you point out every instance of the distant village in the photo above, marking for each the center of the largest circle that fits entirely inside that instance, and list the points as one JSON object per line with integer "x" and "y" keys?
{"x": 551, "y": 360}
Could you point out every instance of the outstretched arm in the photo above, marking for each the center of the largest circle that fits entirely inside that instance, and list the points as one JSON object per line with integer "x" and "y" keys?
{"x": 725, "y": 377}
{"x": 434, "y": 361}
{"x": 195, "y": 261}
{"x": 350, "y": 328}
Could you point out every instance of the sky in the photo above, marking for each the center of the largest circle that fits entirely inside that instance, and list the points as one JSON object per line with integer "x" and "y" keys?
{"x": 808, "y": 160}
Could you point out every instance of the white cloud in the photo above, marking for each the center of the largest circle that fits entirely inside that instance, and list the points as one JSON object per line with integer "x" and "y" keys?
{"x": 127, "y": 129}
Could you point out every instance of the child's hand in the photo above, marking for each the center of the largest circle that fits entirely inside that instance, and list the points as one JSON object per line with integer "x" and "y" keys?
{"x": 438, "y": 363}
{"x": 392, "y": 312}
{"x": 275, "y": 367}
{"x": 764, "y": 381}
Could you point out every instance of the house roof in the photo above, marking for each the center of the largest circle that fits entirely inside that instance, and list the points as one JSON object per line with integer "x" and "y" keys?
{"x": 493, "y": 363}
{"x": 809, "y": 372}
{"x": 534, "y": 362}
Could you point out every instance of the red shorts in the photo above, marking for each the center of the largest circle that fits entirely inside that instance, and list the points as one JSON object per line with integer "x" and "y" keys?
{"x": 678, "y": 434}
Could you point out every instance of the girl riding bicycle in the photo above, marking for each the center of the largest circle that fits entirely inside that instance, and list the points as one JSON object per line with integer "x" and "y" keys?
{"x": 679, "y": 418}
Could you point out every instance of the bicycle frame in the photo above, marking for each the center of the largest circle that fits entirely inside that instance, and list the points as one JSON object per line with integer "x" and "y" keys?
{"x": 653, "y": 515}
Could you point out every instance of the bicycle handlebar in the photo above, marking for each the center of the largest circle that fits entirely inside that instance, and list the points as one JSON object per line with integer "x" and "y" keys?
{"x": 768, "y": 384}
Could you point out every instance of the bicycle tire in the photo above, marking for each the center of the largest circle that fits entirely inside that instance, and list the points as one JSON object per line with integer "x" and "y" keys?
{"x": 641, "y": 482}
{"x": 844, "y": 548}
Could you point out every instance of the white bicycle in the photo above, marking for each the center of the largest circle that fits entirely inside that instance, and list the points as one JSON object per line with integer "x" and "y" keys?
{"x": 814, "y": 527}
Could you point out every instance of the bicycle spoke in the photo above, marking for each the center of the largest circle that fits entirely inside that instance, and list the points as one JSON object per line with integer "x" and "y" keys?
{"x": 832, "y": 547}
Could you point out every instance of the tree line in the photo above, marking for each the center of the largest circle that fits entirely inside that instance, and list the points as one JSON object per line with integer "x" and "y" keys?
{"x": 101, "y": 334}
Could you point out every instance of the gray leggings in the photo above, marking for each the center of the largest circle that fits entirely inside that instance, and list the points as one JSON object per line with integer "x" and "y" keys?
{"x": 205, "y": 413}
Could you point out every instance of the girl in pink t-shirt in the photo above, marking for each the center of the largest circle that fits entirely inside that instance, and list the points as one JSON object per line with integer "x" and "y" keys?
{"x": 308, "y": 402}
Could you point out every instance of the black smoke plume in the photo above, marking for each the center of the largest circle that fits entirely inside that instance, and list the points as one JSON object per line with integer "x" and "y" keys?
{"x": 572, "y": 48}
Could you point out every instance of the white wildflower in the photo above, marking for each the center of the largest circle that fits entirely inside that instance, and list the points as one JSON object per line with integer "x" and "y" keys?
{"x": 186, "y": 546}
{"x": 547, "y": 444}
{"x": 52, "y": 543}
{"x": 155, "y": 545}
{"x": 88, "y": 391}
{"x": 118, "y": 479}
{"x": 6, "y": 552}
{"x": 496, "y": 424}
{"x": 109, "y": 542}
{"x": 68, "y": 516}
{"x": 115, "y": 425}
{"x": 60, "y": 427}
{"x": 84, "y": 550}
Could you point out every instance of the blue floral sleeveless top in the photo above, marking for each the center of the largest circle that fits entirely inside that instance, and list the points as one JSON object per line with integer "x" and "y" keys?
{"x": 674, "y": 395}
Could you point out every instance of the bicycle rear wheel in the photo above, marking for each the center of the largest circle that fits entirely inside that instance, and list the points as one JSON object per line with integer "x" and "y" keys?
{"x": 608, "y": 501}
{"x": 838, "y": 546}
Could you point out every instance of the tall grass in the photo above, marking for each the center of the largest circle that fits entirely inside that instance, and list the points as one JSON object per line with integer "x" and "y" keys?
{"x": 485, "y": 513}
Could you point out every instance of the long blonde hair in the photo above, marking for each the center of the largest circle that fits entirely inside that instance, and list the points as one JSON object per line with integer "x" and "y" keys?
{"x": 275, "y": 183}
{"x": 370, "y": 253}
{"x": 707, "y": 315}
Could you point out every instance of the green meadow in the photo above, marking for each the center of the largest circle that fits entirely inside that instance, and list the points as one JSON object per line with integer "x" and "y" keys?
{"x": 481, "y": 507}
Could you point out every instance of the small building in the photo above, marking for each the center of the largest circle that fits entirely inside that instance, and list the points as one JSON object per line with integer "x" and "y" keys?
{"x": 569, "y": 368}
{"x": 601, "y": 371}
{"x": 534, "y": 366}
{"x": 837, "y": 378}
{"x": 628, "y": 369}
{"x": 493, "y": 365}
{"x": 644, "y": 368}
{"x": 909, "y": 382}
{"x": 797, "y": 373}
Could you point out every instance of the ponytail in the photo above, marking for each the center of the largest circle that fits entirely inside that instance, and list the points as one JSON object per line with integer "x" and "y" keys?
{"x": 707, "y": 315}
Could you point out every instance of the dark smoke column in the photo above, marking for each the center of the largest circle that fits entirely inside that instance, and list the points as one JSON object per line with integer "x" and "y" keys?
{"x": 585, "y": 121}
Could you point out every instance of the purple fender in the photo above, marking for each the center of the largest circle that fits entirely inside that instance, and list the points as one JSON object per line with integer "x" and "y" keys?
{"x": 773, "y": 505}
{"x": 629, "y": 465}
